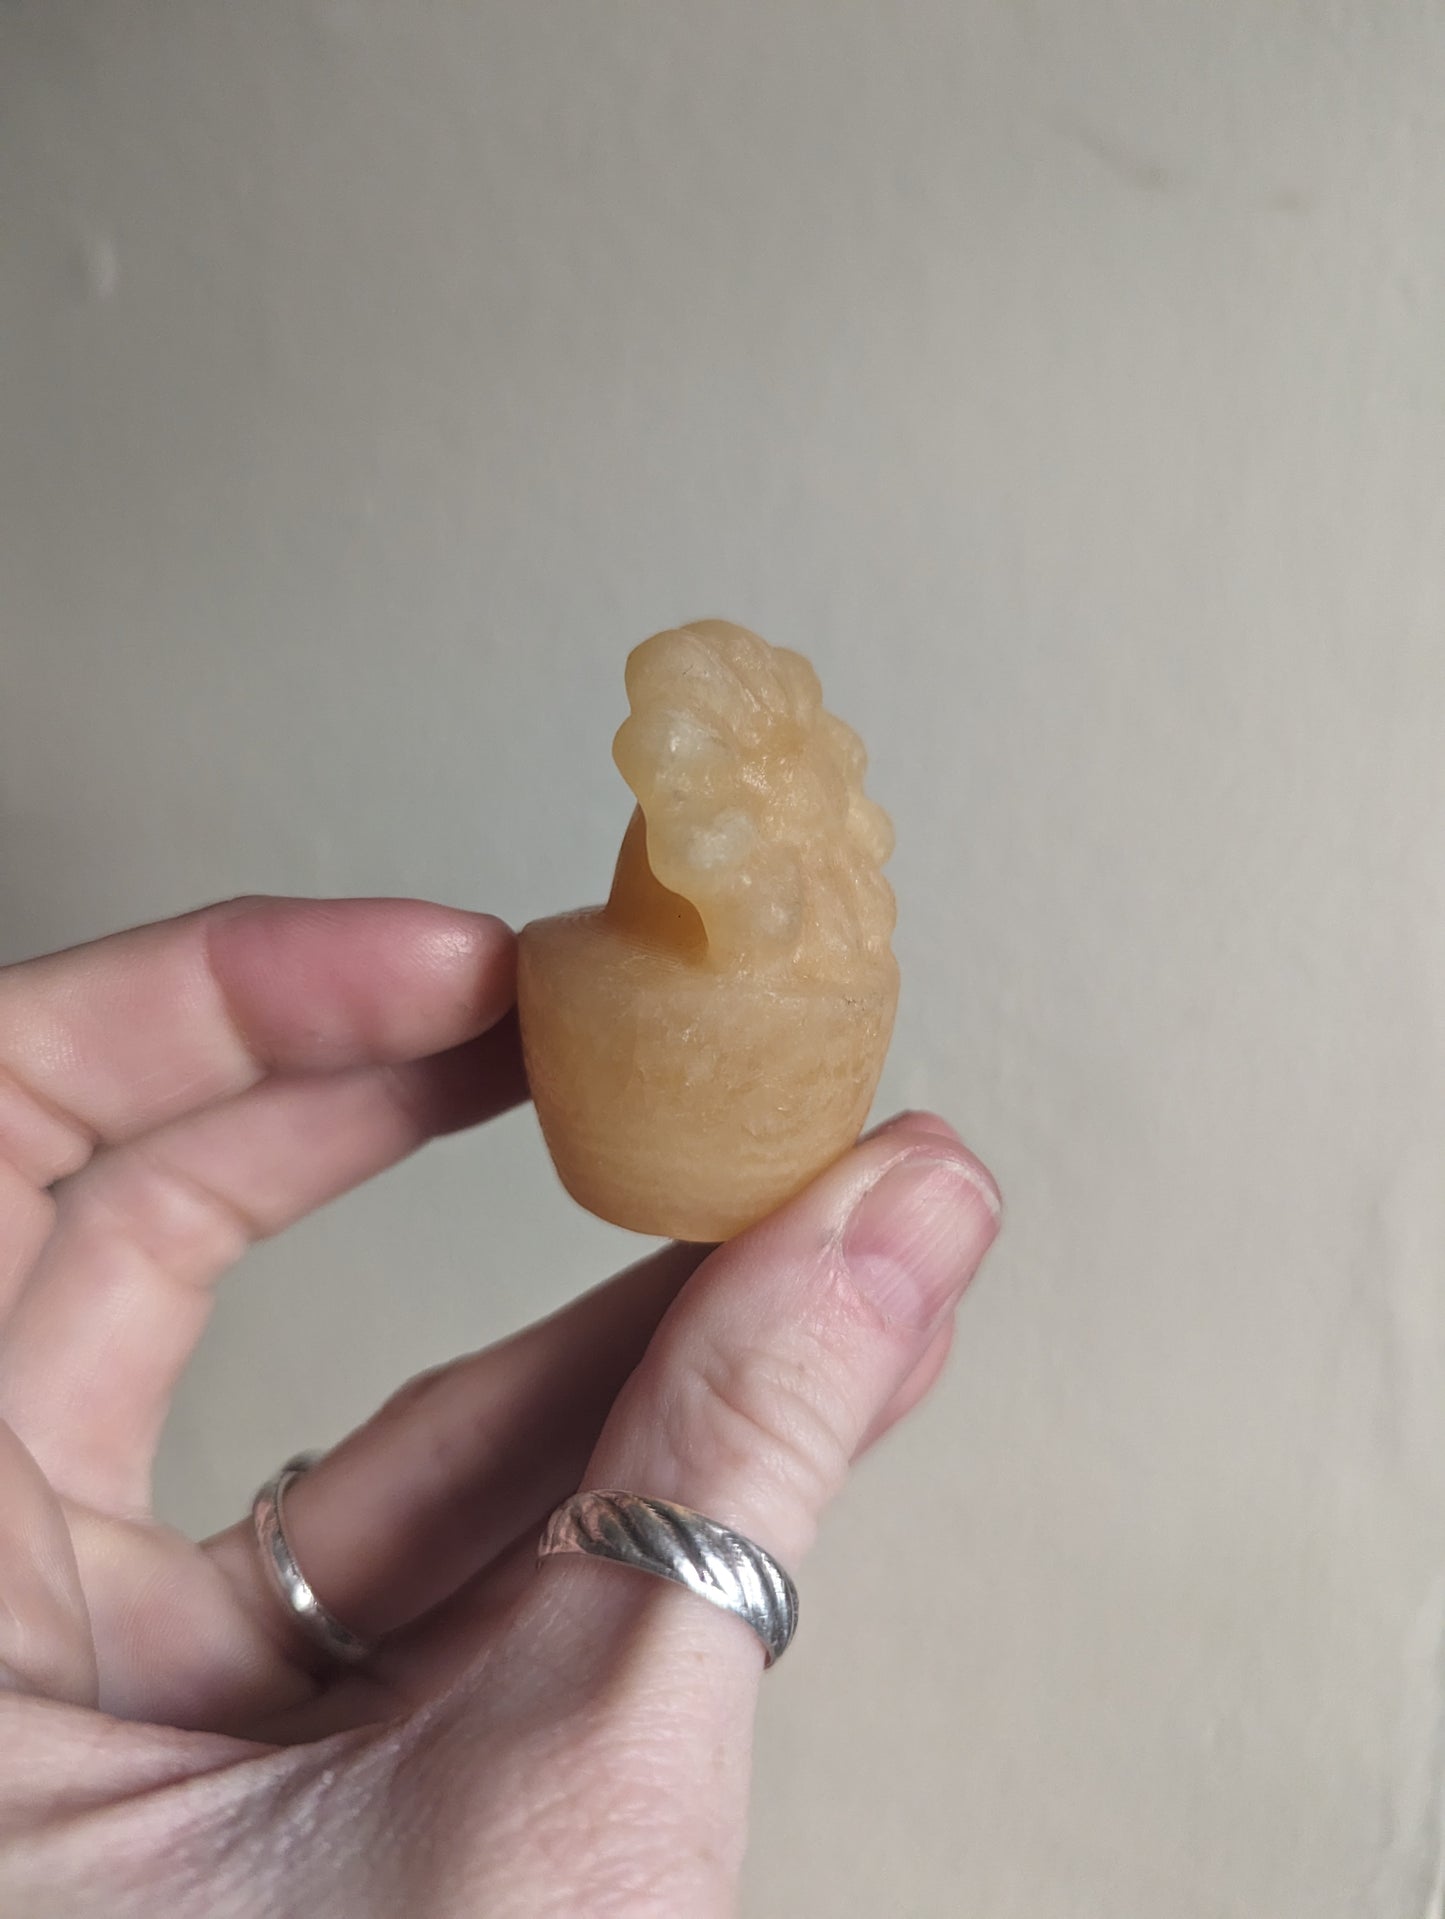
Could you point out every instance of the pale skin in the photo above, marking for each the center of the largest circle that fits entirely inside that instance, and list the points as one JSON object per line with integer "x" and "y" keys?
{"x": 525, "y": 1742}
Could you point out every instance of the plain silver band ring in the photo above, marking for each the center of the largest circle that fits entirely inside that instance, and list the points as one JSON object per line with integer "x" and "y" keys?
{"x": 287, "y": 1579}
{"x": 673, "y": 1542}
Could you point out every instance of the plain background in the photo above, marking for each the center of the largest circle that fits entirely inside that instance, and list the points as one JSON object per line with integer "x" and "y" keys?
{"x": 1069, "y": 382}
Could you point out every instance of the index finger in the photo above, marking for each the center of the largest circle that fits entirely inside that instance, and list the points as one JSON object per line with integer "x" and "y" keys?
{"x": 108, "y": 1040}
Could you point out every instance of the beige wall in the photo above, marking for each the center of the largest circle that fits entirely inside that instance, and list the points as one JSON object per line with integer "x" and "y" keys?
{"x": 1070, "y": 382}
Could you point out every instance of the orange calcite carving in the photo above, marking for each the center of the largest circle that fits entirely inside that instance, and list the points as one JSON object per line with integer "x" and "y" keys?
{"x": 711, "y": 1038}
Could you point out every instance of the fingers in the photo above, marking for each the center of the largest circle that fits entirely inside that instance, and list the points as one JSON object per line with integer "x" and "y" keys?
{"x": 123, "y": 1290}
{"x": 108, "y": 1040}
{"x": 105, "y": 1041}
{"x": 440, "y": 1647}
{"x": 454, "y": 1467}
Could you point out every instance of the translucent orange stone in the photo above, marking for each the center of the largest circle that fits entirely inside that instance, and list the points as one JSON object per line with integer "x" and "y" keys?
{"x": 712, "y": 1037}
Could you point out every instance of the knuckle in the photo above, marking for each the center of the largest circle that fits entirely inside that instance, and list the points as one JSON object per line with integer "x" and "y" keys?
{"x": 170, "y": 1216}
{"x": 453, "y": 1424}
{"x": 411, "y": 1396}
{"x": 29, "y": 1210}
{"x": 759, "y": 1414}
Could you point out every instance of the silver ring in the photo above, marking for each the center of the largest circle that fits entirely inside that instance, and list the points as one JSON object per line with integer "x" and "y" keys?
{"x": 673, "y": 1542}
{"x": 287, "y": 1579}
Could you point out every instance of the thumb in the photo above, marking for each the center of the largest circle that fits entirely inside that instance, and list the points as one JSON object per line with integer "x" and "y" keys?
{"x": 790, "y": 1342}
{"x": 780, "y": 1356}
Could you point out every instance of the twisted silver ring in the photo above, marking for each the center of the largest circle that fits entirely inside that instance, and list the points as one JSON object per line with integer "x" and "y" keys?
{"x": 673, "y": 1542}
{"x": 287, "y": 1579}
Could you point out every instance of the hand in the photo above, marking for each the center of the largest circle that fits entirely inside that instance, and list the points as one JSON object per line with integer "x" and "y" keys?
{"x": 572, "y": 1739}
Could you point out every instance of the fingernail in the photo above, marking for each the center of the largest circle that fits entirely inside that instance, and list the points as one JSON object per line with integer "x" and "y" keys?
{"x": 918, "y": 1234}
{"x": 914, "y": 1120}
